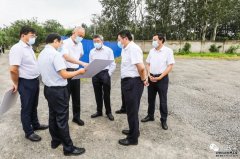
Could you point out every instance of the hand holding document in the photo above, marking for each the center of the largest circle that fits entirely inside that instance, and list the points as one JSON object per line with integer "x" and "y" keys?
{"x": 93, "y": 68}
{"x": 9, "y": 100}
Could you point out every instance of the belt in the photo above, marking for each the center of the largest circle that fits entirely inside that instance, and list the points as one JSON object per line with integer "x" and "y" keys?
{"x": 155, "y": 75}
{"x": 72, "y": 69}
{"x": 127, "y": 78}
{"x": 56, "y": 87}
{"x": 29, "y": 79}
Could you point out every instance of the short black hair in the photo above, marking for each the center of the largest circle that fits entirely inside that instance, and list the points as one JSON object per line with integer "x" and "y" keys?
{"x": 160, "y": 37}
{"x": 51, "y": 37}
{"x": 98, "y": 36}
{"x": 27, "y": 29}
{"x": 126, "y": 33}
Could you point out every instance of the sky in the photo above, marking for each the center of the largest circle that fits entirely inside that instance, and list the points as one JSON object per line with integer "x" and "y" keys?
{"x": 69, "y": 13}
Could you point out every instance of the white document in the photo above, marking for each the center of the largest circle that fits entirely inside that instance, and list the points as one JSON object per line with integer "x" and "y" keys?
{"x": 93, "y": 68}
{"x": 9, "y": 100}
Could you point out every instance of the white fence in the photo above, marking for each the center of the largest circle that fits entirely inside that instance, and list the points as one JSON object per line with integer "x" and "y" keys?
{"x": 196, "y": 46}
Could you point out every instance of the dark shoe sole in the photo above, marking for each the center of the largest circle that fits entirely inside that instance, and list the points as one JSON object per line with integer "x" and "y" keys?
{"x": 72, "y": 154}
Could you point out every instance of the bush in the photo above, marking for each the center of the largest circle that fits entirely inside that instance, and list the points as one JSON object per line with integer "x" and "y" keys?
{"x": 214, "y": 48}
{"x": 232, "y": 49}
{"x": 186, "y": 49}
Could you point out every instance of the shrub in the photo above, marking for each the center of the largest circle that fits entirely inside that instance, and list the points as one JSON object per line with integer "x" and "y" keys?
{"x": 232, "y": 49}
{"x": 214, "y": 48}
{"x": 186, "y": 49}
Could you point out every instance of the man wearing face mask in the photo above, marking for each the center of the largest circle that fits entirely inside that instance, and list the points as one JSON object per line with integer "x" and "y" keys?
{"x": 102, "y": 80}
{"x": 160, "y": 62}
{"x": 133, "y": 80}
{"x": 54, "y": 76}
{"x": 24, "y": 73}
{"x": 72, "y": 51}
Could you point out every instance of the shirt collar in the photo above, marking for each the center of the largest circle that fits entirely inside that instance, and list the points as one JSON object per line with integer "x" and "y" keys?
{"x": 129, "y": 44}
{"x": 72, "y": 42}
{"x": 24, "y": 44}
{"x": 103, "y": 47}
{"x": 163, "y": 48}
{"x": 50, "y": 47}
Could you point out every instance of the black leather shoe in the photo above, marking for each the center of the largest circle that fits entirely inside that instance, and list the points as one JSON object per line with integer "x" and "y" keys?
{"x": 34, "y": 137}
{"x": 125, "y": 132}
{"x": 77, "y": 151}
{"x": 147, "y": 118}
{"x": 164, "y": 125}
{"x": 126, "y": 142}
{"x": 96, "y": 115}
{"x": 41, "y": 127}
{"x": 110, "y": 117}
{"x": 121, "y": 111}
{"x": 55, "y": 145}
{"x": 78, "y": 121}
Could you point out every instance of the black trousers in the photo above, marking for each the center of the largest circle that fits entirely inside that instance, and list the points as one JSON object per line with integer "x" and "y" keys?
{"x": 160, "y": 87}
{"x": 29, "y": 93}
{"x": 58, "y": 104}
{"x": 74, "y": 91}
{"x": 123, "y": 107}
{"x": 102, "y": 88}
{"x": 132, "y": 93}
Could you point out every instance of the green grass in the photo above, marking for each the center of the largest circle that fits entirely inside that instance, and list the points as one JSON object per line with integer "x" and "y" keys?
{"x": 209, "y": 55}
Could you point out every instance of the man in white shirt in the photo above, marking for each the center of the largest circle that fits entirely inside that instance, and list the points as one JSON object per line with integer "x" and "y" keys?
{"x": 134, "y": 77}
{"x": 24, "y": 74}
{"x": 72, "y": 51}
{"x": 160, "y": 62}
{"x": 54, "y": 76}
{"x": 102, "y": 80}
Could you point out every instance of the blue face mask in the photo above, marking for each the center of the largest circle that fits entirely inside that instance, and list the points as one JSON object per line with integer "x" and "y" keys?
{"x": 155, "y": 44}
{"x": 31, "y": 41}
{"x": 60, "y": 49}
{"x": 120, "y": 45}
{"x": 78, "y": 39}
{"x": 97, "y": 45}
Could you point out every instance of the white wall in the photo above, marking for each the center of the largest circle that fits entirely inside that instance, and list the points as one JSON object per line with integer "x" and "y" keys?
{"x": 196, "y": 46}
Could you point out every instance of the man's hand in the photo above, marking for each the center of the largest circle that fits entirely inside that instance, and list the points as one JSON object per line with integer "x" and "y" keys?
{"x": 81, "y": 71}
{"x": 15, "y": 88}
{"x": 146, "y": 82}
{"x": 85, "y": 64}
{"x": 153, "y": 79}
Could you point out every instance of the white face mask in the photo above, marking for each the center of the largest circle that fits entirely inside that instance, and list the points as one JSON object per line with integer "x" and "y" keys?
{"x": 97, "y": 45}
{"x": 31, "y": 41}
{"x": 155, "y": 44}
{"x": 78, "y": 39}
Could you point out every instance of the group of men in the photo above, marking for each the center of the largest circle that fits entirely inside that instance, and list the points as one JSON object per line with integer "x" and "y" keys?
{"x": 59, "y": 62}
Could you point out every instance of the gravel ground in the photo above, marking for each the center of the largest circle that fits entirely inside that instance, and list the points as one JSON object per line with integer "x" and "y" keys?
{"x": 204, "y": 108}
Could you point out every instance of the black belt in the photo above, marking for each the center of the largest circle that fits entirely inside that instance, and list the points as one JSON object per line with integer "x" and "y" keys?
{"x": 56, "y": 87}
{"x": 127, "y": 78}
{"x": 72, "y": 69}
{"x": 29, "y": 79}
{"x": 155, "y": 75}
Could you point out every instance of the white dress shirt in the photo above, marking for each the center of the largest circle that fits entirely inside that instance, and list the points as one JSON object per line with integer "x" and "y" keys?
{"x": 160, "y": 59}
{"x": 50, "y": 61}
{"x": 72, "y": 49}
{"x": 105, "y": 53}
{"x": 22, "y": 55}
{"x": 131, "y": 55}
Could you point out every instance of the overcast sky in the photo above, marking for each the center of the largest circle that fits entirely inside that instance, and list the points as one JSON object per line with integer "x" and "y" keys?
{"x": 69, "y": 13}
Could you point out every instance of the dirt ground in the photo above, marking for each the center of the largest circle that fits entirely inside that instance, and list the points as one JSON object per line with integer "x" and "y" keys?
{"x": 204, "y": 109}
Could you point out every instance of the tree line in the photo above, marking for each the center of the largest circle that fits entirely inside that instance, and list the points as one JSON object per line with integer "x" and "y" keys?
{"x": 215, "y": 20}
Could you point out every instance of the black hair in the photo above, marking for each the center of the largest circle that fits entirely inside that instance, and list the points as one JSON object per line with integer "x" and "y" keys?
{"x": 160, "y": 37}
{"x": 51, "y": 37}
{"x": 98, "y": 36}
{"x": 126, "y": 33}
{"x": 26, "y": 29}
